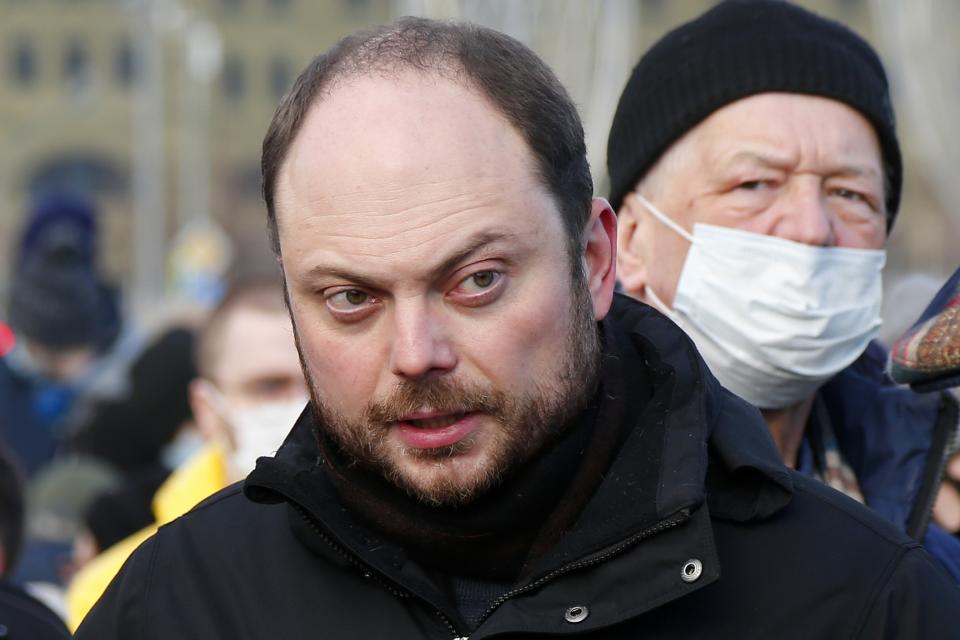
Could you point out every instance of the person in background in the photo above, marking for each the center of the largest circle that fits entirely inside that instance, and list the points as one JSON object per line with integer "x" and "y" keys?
{"x": 248, "y": 393}
{"x": 124, "y": 445}
{"x": 113, "y": 515}
{"x": 70, "y": 342}
{"x": 496, "y": 445}
{"x": 151, "y": 425}
{"x": 756, "y": 172}
{"x": 21, "y": 615}
{"x": 927, "y": 357}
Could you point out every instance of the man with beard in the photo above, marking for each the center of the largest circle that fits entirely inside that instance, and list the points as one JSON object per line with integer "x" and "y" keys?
{"x": 496, "y": 447}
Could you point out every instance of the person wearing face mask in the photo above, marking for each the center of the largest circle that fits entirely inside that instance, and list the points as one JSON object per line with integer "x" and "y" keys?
{"x": 756, "y": 172}
{"x": 249, "y": 392}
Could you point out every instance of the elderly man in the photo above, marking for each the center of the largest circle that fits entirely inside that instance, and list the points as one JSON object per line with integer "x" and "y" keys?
{"x": 756, "y": 172}
{"x": 495, "y": 447}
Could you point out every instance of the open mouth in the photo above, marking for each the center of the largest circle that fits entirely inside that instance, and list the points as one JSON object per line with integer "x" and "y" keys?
{"x": 437, "y": 422}
{"x": 433, "y": 431}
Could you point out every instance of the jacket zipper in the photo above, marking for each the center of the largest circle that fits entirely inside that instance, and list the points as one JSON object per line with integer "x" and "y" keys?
{"x": 945, "y": 432}
{"x": 682, "y": 516}
{"x": 368, "y": 572}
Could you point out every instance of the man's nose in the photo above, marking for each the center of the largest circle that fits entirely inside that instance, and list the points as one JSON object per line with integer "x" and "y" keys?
{"x": 805, "y": 216}
{"x": 420, "y": 344}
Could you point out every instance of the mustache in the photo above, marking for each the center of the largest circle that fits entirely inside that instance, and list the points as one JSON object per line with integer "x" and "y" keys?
{"x": 448, "y": 396}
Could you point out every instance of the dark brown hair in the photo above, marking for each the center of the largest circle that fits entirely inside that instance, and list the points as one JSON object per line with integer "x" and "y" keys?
{"x": 515, "y": 80}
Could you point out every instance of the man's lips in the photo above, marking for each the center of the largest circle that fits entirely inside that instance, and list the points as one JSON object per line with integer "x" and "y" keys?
{"x": 433, "y": 430}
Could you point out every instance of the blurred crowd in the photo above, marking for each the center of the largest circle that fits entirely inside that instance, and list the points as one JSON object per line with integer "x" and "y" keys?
{"x": 108, "y": 429}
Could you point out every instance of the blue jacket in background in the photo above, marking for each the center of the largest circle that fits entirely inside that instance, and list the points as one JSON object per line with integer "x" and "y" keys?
{"x": 32, "y": 417}
{"x": 896, "y": 441}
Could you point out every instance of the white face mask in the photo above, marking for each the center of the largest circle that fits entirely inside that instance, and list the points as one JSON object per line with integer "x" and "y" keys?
{"x": 774, "y": 319}
{"x": 258, "y": 430}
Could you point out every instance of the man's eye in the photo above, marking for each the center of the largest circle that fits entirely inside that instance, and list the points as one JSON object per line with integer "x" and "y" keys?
{"x": 355, "y": 297}
{"x": 847, "y": 194}
{"x": 752, "y": 185}
{"x": 481, "y": 280}
{"x": 348, "y": 300}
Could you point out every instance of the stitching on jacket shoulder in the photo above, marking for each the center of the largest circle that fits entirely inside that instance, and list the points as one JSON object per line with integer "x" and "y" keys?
{"x": 889, "y": 572}
{"x": 147, "y": 587}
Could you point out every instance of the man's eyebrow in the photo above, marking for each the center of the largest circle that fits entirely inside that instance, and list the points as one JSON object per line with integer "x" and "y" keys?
{"x": 854, "y": 169}
{"x": 471, "y": 246}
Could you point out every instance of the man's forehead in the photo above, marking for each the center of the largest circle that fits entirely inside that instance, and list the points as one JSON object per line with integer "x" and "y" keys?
{"x": 781, "y": 112}
{"x": 362, "y": 119}
{"x": 398, "y": 145}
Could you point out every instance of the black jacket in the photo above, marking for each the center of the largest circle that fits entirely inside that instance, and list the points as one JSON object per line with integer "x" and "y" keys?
{"x": 697, "y": 531}
{"x": 23, "y": 617}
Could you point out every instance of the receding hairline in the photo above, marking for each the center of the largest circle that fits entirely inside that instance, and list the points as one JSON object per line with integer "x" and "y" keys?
{"x": 377, "y": 52}
{"x": 460, "y": 79}
{"x": 516, "y": 81}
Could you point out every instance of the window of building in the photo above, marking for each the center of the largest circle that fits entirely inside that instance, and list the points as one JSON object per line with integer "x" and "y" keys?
{"x": 76, "y": 62}
{"x": 23, "y": 62}
{"x": 234, "y": 80}
{"x": 281, "y": 76}
{"x": 125, "y": 63}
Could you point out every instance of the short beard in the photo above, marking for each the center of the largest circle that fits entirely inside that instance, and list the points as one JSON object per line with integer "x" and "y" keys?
{"x": 526, "y": 423}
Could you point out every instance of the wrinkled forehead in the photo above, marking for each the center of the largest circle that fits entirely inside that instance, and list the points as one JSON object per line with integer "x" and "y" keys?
{"x": 791, "y": 121}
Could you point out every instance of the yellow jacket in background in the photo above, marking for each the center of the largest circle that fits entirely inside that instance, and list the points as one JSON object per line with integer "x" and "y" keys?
{"x": 201, "y": 475}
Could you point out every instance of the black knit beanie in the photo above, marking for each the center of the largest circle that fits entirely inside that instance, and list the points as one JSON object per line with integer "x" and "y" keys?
{"x": 738, "y": 49}
{"x": 56, "y": 299}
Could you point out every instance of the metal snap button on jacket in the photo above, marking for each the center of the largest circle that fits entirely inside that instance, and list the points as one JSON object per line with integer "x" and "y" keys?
{"x": 691, "y": 571}
{"x": 576, "y": 614}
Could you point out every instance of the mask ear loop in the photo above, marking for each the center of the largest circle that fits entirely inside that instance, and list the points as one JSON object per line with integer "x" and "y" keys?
{"x": 686, "y": 235}
{"x": 221, "y": 407}
{"x": 658, "y": 303}
{"x": 659, "y": 215}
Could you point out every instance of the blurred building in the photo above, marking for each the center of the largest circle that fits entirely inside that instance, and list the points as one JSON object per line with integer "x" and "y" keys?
{"x": 94, "y": 91}
{"x": 158, "y": 107}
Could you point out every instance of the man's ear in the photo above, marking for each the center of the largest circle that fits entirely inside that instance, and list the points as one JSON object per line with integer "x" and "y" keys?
{"x": 600, "y": 256}
{"x": 203, "y": 405}
{"x": 631, "y": 261}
